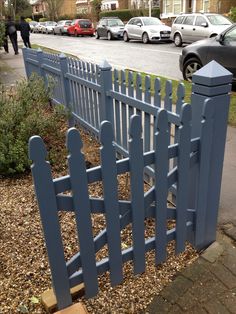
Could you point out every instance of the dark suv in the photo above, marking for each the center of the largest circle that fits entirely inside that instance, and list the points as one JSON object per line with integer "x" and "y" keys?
{"x": 110, "y": 28}
{"x": 222, "y": 49}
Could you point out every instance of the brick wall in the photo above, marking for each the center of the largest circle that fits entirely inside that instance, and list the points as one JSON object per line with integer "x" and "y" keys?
{"x": 68, "y": 7}
{"x": 222, "y": 6}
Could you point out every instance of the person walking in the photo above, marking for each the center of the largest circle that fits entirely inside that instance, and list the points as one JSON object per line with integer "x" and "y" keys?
{"x": 12, "y": 33}
{"x": 25, "y": 32}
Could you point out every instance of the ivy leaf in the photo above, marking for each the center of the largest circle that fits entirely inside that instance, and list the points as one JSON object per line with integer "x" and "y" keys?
{"x": 23, "y": 309}
{"x": 34, "y": 300}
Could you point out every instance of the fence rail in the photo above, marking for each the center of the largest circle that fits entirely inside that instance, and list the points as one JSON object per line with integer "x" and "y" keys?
{"x": 183, "y": 148}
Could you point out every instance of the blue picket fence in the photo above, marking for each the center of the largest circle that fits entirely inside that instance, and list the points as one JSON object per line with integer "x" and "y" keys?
{"x": 183, "y": 150}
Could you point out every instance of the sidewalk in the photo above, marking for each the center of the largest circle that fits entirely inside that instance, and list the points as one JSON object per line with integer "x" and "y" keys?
{"x": 208, "y": 285}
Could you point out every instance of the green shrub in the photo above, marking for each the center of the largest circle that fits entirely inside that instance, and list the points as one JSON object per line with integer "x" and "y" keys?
{"x": 127, "y": 14}
{"x": 28, "y": 19}
{"x": 124, "y": 15}
{"x": 232, "y": 14}
{"x": 43, "y": 19}
{"x": 66, "y": 17}
{"x": 26, "y": 113}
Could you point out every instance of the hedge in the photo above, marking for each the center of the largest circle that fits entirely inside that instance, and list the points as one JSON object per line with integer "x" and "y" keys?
{"x": 127, "y": 14}
{"x": 232, "y": 14}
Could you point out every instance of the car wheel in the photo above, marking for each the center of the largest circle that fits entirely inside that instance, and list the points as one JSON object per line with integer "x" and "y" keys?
{"x": 190, "y": 67}
{"x": 178, "y": 40}
{"x": 125, "y": 37}
{"x": 145, "y": 38}
{"x": 109, "y": 36}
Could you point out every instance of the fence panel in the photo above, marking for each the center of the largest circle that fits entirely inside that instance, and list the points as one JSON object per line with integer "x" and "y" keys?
{"x": 191, "y": 166}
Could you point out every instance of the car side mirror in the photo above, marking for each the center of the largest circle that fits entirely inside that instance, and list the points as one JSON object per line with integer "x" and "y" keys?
{"x": 139, "y": 24}
{"x": 220, "y": 38}
{"x": 205, "y": 24}
{"x": 103, "y": 25}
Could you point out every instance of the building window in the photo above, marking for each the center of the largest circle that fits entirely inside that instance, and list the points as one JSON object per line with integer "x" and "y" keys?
{"x": 168, "y": 6}
{"x": 177, "y": 7}
{"x": 206, "y": 5}
{"x": 172, "y": 7}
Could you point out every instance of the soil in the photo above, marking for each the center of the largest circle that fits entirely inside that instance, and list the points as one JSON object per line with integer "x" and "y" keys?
{"x": 24, "y": 270}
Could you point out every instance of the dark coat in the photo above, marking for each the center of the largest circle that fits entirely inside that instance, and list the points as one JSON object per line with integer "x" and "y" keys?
{"x": 24, "y": 29}
{"x": 10, "y": 24}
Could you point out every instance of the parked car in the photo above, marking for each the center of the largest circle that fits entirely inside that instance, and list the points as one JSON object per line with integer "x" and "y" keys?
{"x": 110, "y": 28}
{"x": 221, "y": 49}
{"x": 61, "y": 27}
{"x": 38, "y": 27}
{"x": 32, "y": 24}
{"x": 188, "y": 28}
{"x": 48, "y": 27}
{"x": 146, "y": 29}
{"x": 81, "y": 27}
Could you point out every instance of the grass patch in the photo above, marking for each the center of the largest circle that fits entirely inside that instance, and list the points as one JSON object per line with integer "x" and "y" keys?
{"x": 188, "y": 90}
{"x": 54, "y": 51}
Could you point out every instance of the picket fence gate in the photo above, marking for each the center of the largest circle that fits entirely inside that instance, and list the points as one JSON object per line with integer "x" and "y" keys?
{"x": 190, "y": 164}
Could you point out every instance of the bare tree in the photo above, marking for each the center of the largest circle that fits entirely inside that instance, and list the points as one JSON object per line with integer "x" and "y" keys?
{"x": 54, "y": 8}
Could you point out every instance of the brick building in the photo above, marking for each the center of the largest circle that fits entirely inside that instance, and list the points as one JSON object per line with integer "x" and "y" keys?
{"x": 39, "y": 7}
{"x": 171, "y": 8}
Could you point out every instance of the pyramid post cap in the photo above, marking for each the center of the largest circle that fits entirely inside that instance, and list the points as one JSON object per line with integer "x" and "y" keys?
{"x": 104, "y": 65}
{"x": 212, "y": 74}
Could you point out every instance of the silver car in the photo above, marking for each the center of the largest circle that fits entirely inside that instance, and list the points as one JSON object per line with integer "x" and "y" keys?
{"x": 38, "y": 27}
{"x": 188, "y": 28}
{"x": 48, "y": 27}
{"x": 146, "y": 29}
{"x": 61, "y": 27}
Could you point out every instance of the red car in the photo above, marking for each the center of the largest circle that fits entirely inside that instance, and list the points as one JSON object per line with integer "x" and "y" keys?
{"x": 81, "y": 27}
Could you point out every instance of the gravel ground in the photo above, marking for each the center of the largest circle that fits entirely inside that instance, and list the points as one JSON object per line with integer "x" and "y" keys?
{"x": 24, "y": 271}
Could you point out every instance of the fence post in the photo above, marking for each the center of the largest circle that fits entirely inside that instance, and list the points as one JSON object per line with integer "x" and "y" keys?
{"x": 211, "y": 82}
{"x": 66, "y": 88}
{"x": 105, "y": 80}
{"x": 25, "y": 53}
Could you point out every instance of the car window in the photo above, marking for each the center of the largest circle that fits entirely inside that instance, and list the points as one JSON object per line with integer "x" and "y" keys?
{"x": 189, "y": 20}
{"x": 179, "y": 20}
{"x": 230, "y": 37}
{"x": 115, "y": 22}
{"x": 151, "y": 21}
{"x": 218, "y": 20}
{"x": 200, "y": 20}
{"x": 103, "y": 22}
{"x": 85, "y": 24}
{"x": 137, "y": 21}
{"x": 68, "y": 22}
{"x": 131, "y": 22}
